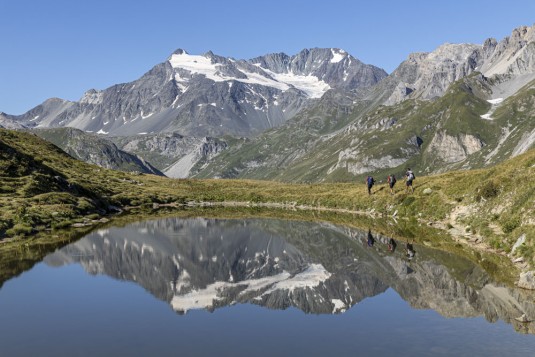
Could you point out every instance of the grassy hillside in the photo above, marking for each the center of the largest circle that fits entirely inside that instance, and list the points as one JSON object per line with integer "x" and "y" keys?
{"x": 341, "y": 140}
{"x": 42, "y": 188}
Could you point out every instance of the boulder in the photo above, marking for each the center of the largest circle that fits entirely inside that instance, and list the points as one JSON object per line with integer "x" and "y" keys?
{"x": 527, "y": 280}
{"x": 521, "y": 240}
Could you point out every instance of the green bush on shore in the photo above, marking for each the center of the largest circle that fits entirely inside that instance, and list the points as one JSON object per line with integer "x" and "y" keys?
{"x": 19, "y": 229}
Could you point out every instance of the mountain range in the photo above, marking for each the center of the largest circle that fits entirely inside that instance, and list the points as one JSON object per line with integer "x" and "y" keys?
{"x": 320, "y": 115}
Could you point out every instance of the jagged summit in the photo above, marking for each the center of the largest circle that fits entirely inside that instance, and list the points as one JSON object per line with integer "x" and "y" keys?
{"x": 210, "y": 95}
{"x": 427, "y": 75}
{"x": 179, "y": 51}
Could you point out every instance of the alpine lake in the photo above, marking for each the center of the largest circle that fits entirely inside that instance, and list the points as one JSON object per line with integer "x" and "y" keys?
{"x": 195, "y": 286}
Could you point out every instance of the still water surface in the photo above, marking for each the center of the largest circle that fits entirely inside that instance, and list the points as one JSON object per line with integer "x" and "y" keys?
{"x": 257, "y": 287}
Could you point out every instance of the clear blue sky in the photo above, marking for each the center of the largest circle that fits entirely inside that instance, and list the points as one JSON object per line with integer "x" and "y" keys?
{"x": 61, "y": 48}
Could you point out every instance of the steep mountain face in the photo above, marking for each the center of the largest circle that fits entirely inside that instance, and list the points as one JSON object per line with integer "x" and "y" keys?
{"x": 428, "y": 75}
{"x": 174, "y": 154}
{"x": 210, "y": 95}
{"x": 95, "y": 149}
{"x": 7, "y": 122}
{"x": 449, "y": 116}
{"x": 318, "y": 268}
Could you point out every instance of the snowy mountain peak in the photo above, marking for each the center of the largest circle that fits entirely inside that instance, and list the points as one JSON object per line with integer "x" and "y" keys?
{"x": 180, "y": 51}
{"x": 210, "y": 95}
{"x": 338, "y": 55}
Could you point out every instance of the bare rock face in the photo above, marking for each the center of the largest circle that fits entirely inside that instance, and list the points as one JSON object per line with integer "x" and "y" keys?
{"x": 514, "y": 55}
{"x": 527, "y": 280}
{"x": 7, "y": 122}
{"x": 452, "y": 149}
{"x": 173, "y": 153}
{"x": 96, "y": 150}
{"x": 428, "y": 75}
{"x": 367, "y": 164}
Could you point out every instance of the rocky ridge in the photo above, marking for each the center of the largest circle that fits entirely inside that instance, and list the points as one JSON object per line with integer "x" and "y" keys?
{"x": 176, "y": 155}
{"x": 209, "y": 95}
{"x": 95, "y": 150}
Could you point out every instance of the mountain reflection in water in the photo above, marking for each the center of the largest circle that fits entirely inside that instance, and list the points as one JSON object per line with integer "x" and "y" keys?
{"x": 316, "y": 267}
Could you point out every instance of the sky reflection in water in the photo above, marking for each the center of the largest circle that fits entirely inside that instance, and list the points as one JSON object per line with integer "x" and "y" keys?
{"x": 65, "y": 311}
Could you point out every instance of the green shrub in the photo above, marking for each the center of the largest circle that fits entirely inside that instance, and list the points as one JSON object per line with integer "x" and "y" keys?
{"x": 19, "y": 229}
{"x": 408, "y": 200}
{"x": 510, "y": 223}
{"x": 7, "y": 189}
{"x": 84, "y": 205}
{"x": 488, "y": 190}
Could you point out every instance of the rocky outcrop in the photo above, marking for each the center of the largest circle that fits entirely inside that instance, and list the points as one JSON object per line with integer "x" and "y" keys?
{"x": 514, "y": 55}
{"x": 95, "y": 150}
{"x": 173, "y": 153}
{"x": 527, "y": 280}
{"x": 356, "y": 164}
{"x": 428, "y": 75}
{"x": 451, "y": 149}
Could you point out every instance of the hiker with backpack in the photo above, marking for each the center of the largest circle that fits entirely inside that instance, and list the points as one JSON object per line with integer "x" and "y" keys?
{"x": 410, "y": 250}
{"x": 391, "y": 179}
{"x": 371, "y": 240}
{"x": 409, "y": 177}
{"x": 392, "y": 245}
{"x": 370, "y": 182}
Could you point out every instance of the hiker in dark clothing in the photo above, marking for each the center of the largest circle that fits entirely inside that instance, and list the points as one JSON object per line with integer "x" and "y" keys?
{"x": 371, "y": 240}
{"x": 410, "y": 251}
{"x": 391, "y": 179}
{"x": 409, "y": 176}
{"x": 392, "y": 245}
{"x": 369, "y": 183}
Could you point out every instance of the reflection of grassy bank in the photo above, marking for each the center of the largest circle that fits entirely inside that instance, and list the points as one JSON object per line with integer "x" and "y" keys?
{"x": 43, "y": 189}
{"x": 19, "y": 255}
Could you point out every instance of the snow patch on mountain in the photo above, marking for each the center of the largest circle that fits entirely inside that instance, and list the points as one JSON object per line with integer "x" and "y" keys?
{"x": 203, "y": 65}
{"x": 495, "y": 103}
{"x": 311, "y": 85}
{"x": 205, "y": 298}
{"x": 338, "y": 55}
{"x": 196, "y": 64}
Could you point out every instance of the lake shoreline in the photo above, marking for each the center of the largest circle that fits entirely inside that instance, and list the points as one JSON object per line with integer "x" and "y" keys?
{"x": 428, "y": 233}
